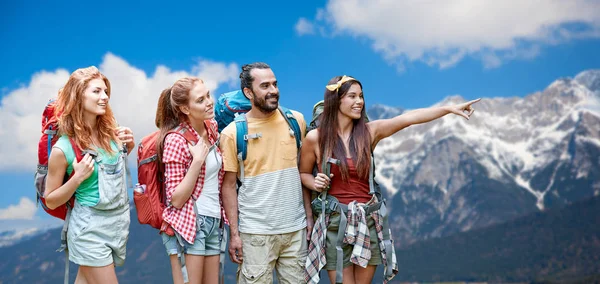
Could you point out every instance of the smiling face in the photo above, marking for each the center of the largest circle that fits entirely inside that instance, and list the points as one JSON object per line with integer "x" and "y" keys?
{"x": 265, "y": 92}
{"x": 352, "y": 103}
{"x": 95, "y": 97}
{"x": 200, "y": 105}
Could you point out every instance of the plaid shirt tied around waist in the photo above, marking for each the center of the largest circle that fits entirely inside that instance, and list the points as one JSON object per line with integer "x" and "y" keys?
{"x": 356, "y": 234}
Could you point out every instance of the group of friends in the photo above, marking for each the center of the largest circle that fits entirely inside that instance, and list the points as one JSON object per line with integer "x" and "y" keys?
{"x": 265, "y": 198}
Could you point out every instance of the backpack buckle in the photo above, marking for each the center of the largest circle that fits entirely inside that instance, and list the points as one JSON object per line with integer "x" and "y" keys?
{"x": 252, "y": 136}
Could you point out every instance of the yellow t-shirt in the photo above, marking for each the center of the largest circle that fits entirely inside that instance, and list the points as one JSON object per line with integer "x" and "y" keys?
{"x": 270, "y": 198}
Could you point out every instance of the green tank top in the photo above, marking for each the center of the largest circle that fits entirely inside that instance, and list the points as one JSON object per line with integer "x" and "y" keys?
{"x": 87, "y": 193}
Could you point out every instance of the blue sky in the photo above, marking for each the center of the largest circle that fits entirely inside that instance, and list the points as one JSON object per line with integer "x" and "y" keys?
{"x": 408, "y": 55}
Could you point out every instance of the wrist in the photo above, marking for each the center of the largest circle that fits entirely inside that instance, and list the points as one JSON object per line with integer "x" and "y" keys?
{"x": 233, "y": 232}
{"x": 197, "y": 162}
{"x": 77, "y": 179}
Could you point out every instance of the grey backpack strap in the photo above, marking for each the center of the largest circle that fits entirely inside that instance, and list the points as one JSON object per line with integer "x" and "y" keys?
{"x": 341, "y": 209}
{"x": 339, "y": 265}
{"x": 372, "y": 188}
{"x": 63, "y": 242}
{"x": 127, "y": 170}
{"x": 181, "y": 256}
{"x": 387, "y": 240}
{"x": 223, "y": 240}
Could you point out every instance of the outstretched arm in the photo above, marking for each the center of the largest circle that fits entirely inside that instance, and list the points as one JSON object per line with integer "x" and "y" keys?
{"x": 383, "y": 128}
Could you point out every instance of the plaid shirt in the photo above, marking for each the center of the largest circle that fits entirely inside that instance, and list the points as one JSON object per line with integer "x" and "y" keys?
{"x": 177, "y": 159}
{"x": 357, "y": 232}
{"x": 357, "y": 235}
{"x": 316, "y": 250}
{"x": 386, "y": 262}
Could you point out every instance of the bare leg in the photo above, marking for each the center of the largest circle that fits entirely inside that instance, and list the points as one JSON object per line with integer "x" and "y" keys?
{"x": 176, "y": 269}
{"x": 195, "y": 268}
{"x": 211, "y": 269}
{"x": 363, "y": 275}
{"x": 348, "y": 275}
{"x": 99, "y": 275}
{"x": 80, "y": 279}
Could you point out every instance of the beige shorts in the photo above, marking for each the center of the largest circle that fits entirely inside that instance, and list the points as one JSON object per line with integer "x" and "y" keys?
{"x": 286, "y": 253}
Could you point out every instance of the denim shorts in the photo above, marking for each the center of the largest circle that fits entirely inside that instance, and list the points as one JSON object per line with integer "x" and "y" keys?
{"x": 98, "y": 237}
{"x": 207, "y": 239}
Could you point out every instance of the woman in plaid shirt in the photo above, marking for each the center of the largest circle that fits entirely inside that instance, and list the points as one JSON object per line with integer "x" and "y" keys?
{"x": 193, "y": 177}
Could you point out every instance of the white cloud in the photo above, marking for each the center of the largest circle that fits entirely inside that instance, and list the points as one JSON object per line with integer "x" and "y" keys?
{"x": 442, "y": 33}
{"x": 304, "y": 27}
{"x": 134, "y": 99}
{"x": 24, "y": 210}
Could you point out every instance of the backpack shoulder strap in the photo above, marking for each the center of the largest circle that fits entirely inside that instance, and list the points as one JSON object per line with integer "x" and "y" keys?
{"x": 241, "y": 142}
{"x": 293, "y": 123}
{"x": 241, "y": 130}
{"x": 76, "y": 149}
{"x": 185, "y": 133}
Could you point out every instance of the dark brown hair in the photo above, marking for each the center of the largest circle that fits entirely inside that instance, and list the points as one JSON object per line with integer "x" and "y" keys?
{"x": 331, "y": 144}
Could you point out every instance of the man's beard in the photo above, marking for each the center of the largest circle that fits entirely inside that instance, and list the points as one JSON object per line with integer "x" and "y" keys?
{"x": 262, "y": 104}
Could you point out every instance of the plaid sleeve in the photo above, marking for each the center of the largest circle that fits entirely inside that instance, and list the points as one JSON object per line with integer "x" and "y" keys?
{"x": 175, "y": 157}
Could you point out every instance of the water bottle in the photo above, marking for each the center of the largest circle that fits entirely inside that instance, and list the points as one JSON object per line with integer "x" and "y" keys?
{"x": 139, "y": 188}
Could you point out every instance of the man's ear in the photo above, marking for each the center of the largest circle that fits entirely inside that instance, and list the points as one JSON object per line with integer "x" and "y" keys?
{"x": 248, "y": 93}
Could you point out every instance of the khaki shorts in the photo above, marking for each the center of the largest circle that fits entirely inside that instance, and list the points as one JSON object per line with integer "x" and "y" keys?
{"x": 286, "y": 253}
{"x": 330, "y": 251}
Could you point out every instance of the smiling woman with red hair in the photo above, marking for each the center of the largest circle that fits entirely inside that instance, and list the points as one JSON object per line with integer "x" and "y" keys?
{"x": 98, "y": 226}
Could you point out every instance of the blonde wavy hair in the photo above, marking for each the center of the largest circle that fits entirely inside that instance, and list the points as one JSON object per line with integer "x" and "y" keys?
{"x": 70, "y": 111}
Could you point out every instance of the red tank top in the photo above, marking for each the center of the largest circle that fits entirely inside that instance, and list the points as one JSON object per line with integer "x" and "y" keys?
{"x": 355, "y": 189}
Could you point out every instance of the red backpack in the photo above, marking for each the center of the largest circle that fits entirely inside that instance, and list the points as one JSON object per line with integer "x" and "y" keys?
{"x": 47, "y": 140}
{"x": 149, "y": 194}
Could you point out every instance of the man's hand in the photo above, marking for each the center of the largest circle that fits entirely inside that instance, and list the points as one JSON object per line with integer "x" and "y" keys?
{"x": 235, "y": 249}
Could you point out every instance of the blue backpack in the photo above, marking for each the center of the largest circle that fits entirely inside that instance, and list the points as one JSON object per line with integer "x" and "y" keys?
{"x": 232, "y": 107}
{"x": 242, "y": 136}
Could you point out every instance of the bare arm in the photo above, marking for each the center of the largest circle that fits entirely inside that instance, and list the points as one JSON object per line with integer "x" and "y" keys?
{"x": 230, "y": 202}
{"x": 308, "y": 159}
{"x": 57, "y": 193}
{"x": 383, "y": 128}
{"x": 306, "y": 195}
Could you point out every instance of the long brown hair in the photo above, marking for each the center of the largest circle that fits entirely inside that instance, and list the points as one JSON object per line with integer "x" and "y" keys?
{"x": 70, "y": 111}
{"x": 331, "y": 144}
{"x": 168, "y": 112}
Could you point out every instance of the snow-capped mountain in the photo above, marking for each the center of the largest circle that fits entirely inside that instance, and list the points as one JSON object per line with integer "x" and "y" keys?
{"x": 514, "y": 156}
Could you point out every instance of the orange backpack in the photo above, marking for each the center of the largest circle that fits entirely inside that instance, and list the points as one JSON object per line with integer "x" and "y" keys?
{"x": 149, "y": 194}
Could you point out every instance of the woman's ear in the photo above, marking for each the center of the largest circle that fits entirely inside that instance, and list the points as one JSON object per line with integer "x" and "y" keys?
{"x": 185, "y": 110}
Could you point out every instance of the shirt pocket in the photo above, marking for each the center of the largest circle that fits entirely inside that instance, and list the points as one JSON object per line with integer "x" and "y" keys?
{"x": 289, "y": 151}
